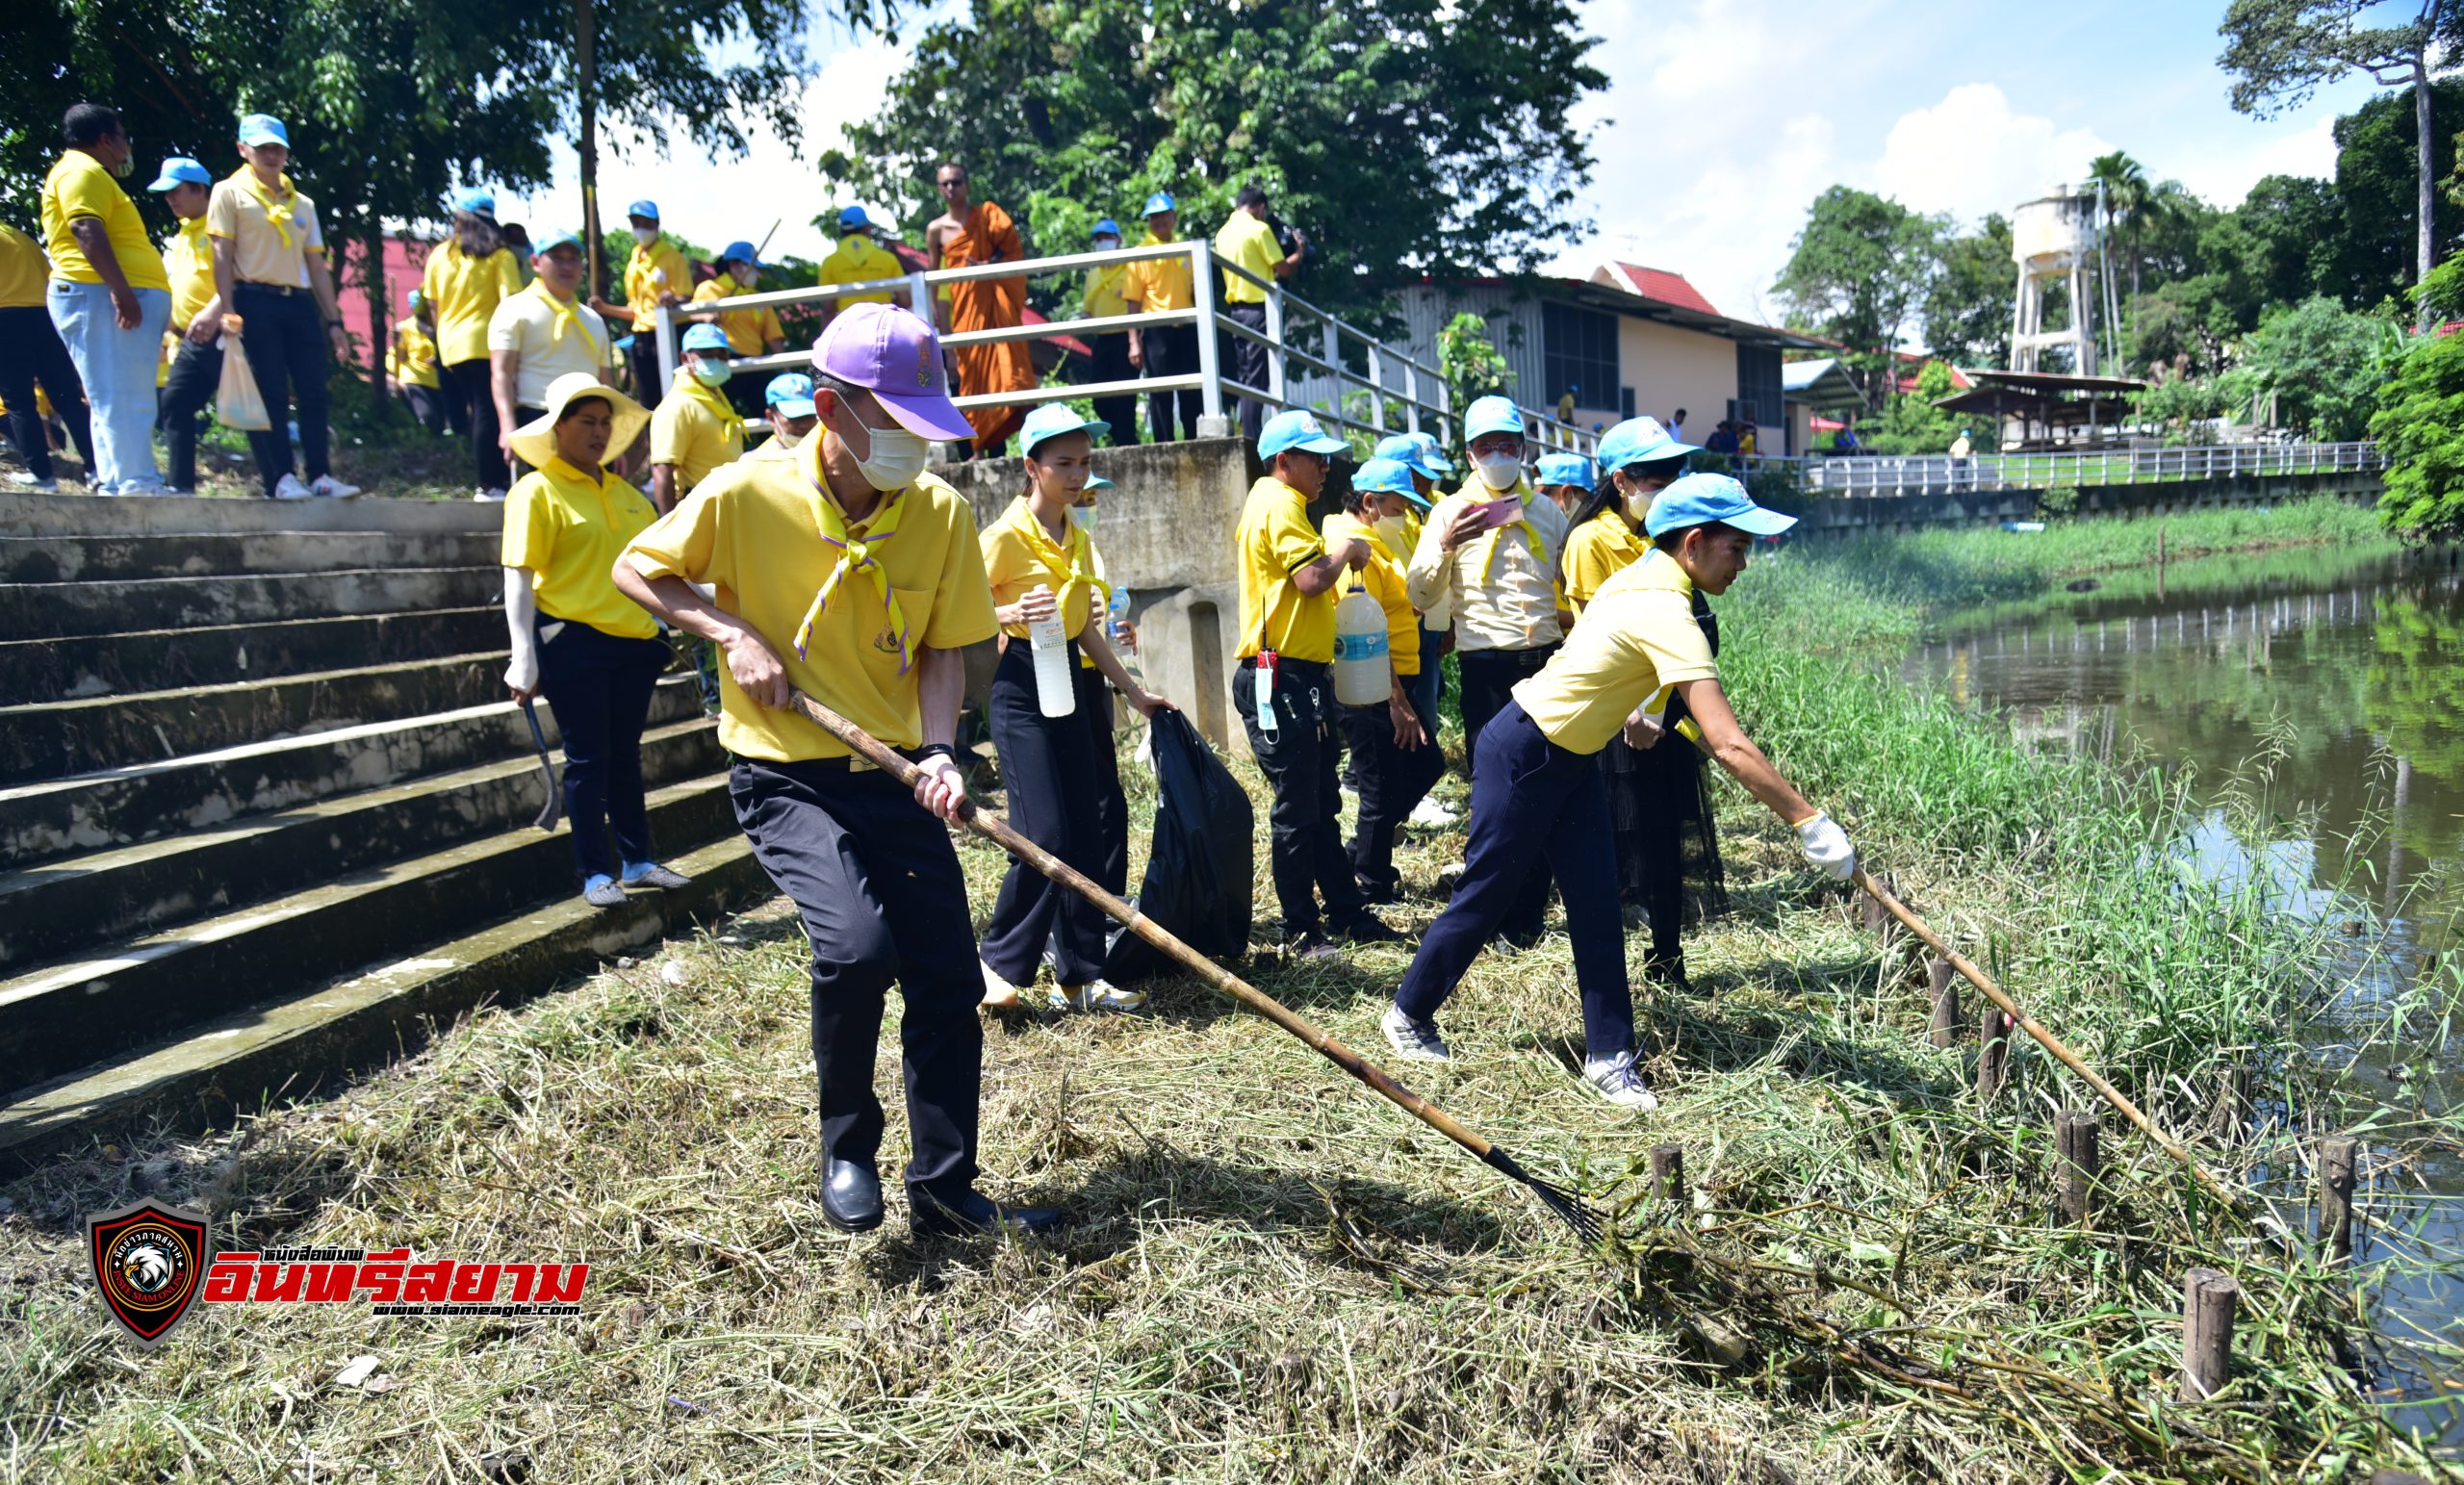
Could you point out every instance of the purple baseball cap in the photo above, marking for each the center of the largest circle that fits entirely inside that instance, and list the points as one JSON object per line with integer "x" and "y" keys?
{"x": 896, "y": 356}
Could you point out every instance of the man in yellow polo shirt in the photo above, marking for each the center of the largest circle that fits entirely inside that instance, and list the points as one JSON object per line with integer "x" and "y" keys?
{"x": 1153, "y": 286}
{"x": 859, "y": 259}
{"x": 1104, "y": 294}
{"x": 696, "y": 429}
{"x": 1537, "y": 791}
{"x": 752, "y": 332}
{"x": 30, "y": 352}
{"x": 1284, "y": 687}
{"x": 1247, "y": 243}
{"x": 846, "y": 572}
{"x": 656, "y": 273}
{"x": 195, "y": 335}
{"x": 108, "y": 296}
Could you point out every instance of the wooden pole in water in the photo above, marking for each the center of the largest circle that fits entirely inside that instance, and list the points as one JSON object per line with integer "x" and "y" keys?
{"x": 2074, "y": 1134}
{"x": 1943, "y": 982}
{"x": 1668, "y": 1172}
{"x": 2210, "y": 1300}
{"x": 2337, "y": 1157}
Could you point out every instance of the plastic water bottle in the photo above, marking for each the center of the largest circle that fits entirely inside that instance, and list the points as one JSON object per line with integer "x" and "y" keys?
{"x": 1119, "y": 617}
{"x": 1055, "y": 695}
{"x": 1363, "y": 673}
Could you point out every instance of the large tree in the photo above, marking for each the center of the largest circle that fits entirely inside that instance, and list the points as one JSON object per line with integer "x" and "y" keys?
{"x": 2377, "y": 164}
{"x": 2279, "y": 51}
{"x": 1407, "y": 137}
{"x": 1858, "y": 273}
{"x": 1968, "y": 306}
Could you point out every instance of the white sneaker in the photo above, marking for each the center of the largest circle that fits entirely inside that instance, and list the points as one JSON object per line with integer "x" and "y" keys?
{"x": 1414, "y": 1041}
{"x": 999, "y": 994}
{"x": 1429, "y": 814}
{"x": 487, "y": 497}
{"x": 1617, "y": 1080}
{"x": 25, "y": 481}
{"x": 289, "y": 488}
{"x": 1095, "y": 995}
{"x": 328, "y": 487}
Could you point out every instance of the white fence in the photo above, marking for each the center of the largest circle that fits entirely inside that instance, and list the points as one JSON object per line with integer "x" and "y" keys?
{"x": 1880, "y": 474}
{"x": 1314, "y": 358}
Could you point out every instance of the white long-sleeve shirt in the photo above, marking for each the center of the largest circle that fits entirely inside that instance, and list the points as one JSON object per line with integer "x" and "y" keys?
{"x": 1510, "y": 602}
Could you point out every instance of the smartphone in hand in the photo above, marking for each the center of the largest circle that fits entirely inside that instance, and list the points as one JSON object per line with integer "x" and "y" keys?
{"x": 1502, "y": 511}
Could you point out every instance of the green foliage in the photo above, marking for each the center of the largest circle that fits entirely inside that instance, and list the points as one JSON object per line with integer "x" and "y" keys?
{"x": 1968, "y": 306}
{"x": 2441, "y": 295}
{"x": 2322, "y": 364}
{"x": 1471, "y": 364}
{"x": 1406, "y": 137}
{"x": 1858, "y": 273}
{"x": 2379, "y": 167}
{"x": 1911, "y": 423}
{"x": 2419, "y": 429}
{"x": 2186, "y": 406}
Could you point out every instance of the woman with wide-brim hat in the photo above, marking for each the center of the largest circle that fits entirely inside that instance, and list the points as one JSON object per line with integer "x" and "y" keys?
{"x": 593, "y": 653}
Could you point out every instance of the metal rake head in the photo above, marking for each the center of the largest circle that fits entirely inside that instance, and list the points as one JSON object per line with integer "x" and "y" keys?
{"x": 1589, "y": 1223}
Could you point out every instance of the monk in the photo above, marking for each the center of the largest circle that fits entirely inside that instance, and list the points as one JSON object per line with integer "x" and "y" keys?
{"x": 971, "y": 233}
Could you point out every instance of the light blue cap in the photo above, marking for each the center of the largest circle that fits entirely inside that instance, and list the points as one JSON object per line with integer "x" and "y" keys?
{"x": 1699, "y": 499}
{"x": 1106, "y": 229}
{"x": 706, "y": 337}
{"x": 1492, "y": 414}
{"x": 1638, "y": 441}
{"x": 791, "y": 394}
{"x": 1565, "y": 469}
{"x": 1053, "y": 420}
{"x": 1160, "y": 202}
{"x": 738, "y": 251}
{"x": 478, "y": 200}
{"x": 179, "y": 169}
{"x": 554, "y": 238}
{"x": 649, "y": 209}
{"x": 263, "y": 129}
{"x": 1297, "y": 429}
{"x": 852, "y": 219}
{"x": 1098, "y": 482}
{"x": 1385, "y": 476}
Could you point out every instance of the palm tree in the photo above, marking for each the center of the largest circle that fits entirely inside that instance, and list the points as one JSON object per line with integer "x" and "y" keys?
{"x": 2125, "y": 197}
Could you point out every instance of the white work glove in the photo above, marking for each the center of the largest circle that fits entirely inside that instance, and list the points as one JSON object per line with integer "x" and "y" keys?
{"x": 1826, "y": 846}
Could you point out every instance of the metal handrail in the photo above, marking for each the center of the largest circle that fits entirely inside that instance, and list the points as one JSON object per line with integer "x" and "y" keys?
{"x": 1893, "y": 474}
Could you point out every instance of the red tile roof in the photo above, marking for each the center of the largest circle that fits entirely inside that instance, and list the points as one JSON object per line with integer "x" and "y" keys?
{"x": 1665, "y": 287}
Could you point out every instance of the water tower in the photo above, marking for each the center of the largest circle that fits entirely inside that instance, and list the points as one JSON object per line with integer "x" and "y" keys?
{"x": 2054, "y": 239}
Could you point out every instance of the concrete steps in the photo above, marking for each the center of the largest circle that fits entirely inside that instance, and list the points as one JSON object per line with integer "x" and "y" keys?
{"x": 266, "y": 813}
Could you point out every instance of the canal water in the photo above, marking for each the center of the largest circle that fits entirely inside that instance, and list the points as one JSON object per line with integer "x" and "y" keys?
{"x": 2329, "y": 686}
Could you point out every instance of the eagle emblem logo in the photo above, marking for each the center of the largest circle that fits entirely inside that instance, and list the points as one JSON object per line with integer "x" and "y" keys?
{"x": 148, "y": 1261}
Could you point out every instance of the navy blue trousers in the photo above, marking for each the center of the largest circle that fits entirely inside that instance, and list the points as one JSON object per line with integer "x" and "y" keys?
{"x": 1533, "y": 802}
{"x": 599, "y": 685}
{"x": 1061, "y": 776}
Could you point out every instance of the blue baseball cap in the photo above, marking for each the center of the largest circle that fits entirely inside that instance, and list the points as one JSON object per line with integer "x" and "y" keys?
{"x": 263, "y": 129}
{"x": 852, "y": 219}
{"x": 791, "y": 394}
{"x": 1106, "y": 229}
{"x": 1492, "y": 414}
{"x": 180, "y": 170}
{"x": 478, "y": 200}
{"x": 1096, "y": 482}
{"x": 1385, "y": 476}
{"x": 1053, "y": 420}
{"x": 706, "y": 337}
{"x": 1160, "y": 202}
{"x": 1297, "y": 429}
{"x": 738, "y": 251}
{"x": 1565, "y": 469}
{"x": 1699, "y": 499}
{"x": 649, "y": 209}
{"x": 554, "y": 238}
{"x": 1639, "y": 441}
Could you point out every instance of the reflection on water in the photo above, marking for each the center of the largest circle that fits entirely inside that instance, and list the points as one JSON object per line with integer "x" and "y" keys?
{"x": 2329, "y": 689}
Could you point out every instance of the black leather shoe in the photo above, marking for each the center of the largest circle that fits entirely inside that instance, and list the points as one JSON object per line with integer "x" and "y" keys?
{"x": 972, "y": 1214}
{"x": 1369, "y": 927}
{"x": 851, "y": 1195}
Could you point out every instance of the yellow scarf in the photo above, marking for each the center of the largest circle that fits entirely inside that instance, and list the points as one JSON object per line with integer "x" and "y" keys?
{"x": 1079, "y": 562}
{"x": 1520, "y": 523}
{"x": 568, "y": 312}
{"x": 716, "y": 402}
{"x": 855, "y": 552}
{"x": 278, "y": 212}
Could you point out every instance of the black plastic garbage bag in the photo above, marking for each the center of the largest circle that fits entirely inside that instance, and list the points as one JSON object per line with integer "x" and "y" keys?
{"x": 1200, "y": 879}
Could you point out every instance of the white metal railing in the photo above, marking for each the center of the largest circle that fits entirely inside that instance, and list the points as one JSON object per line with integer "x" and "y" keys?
{"x": 1397, "y": 391}
{"x": 1889, "y": 474}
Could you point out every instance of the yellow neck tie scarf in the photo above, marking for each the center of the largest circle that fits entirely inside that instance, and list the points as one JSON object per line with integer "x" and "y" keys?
{"x": 855, "y": 553}
{"x": 278, "y": 212}
{"x": 1520, "y": 523}
{"x": 1078, "y": 563}
{"x": 720, "y": 408}
{"x": 568, "y": 313}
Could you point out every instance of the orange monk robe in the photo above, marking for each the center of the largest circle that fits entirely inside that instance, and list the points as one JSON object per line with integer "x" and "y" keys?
{"x": 990, "y": 236}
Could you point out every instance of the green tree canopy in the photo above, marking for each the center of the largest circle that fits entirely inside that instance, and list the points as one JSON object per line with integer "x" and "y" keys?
{"x": 1858, "y": 273}
{"x": 2323, "y": 364}
{"x": 2377, "y": 166}
{"x": 2420, "y": 428}
{"x": 1968, "y": 306}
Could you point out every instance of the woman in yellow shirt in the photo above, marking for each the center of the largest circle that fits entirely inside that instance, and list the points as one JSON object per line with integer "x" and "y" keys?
{"x": 1060, "y": 771}
{"x": 410, "y": 365}
{"x": 592, "y": 652}
{"x": 468, "y": 276}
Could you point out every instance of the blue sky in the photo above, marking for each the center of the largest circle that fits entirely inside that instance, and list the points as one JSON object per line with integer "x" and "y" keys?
{"x": 1727, "y": 116}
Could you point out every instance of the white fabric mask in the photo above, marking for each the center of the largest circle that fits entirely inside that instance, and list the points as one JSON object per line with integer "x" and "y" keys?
{"x": 1390, "y": 531}
{"x": 788, "y": 439}
{"x": 745, "y": 275}
{"x": 898, "y": 456}
{"x": 1084, "y": 516}
{"x": 1500, "y": 470}
{"x": 645, "y": 235}
{"x": 1105, "y": 244}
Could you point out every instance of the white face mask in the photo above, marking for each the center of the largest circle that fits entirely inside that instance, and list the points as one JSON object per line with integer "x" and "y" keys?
{"x": 1500, "y": 470}
{"x": 1084, "y": 516}
{"x": 787, "y": 438}
{"x": 745, "y": 273}
{"x": 645, "y": 235}
{"x": 1639, "y": 504}
{"x": 898, "y": 456}
{"x": 1390, "y": 531}
{"x": 1105, "y": 244}
{"x": 712, "y": 374}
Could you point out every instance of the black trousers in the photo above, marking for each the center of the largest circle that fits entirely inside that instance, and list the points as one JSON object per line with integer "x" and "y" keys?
{"x": 287, "y": 355}
{"x": 1059, "y": 772}
{"x": 1171, "y": 350}
{"x": 466, "y": 383}
{"x": 195, "y": 375}
{"x": 643, "y": 358}
{"x": 31, "y": 351}
{"x": 1111, "y": 363}
{"x": 427, "y": 404}
{"x": 1246, "y": 360}
{"x": 1489, "y": 678}
{"x": 521, "y": 415}
{"x": 599, "y": 685}
{"x": 878, "y": 885}
{"x": 1391, "y": 782}
{"x": 1298, "y": 759}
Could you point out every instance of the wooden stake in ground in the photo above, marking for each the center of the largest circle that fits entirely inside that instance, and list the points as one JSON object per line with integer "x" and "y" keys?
{"x": 1944, "y": 983}
{"x": 2210, "y": 1300}
{"x": 1992, "y": 1053}
{"x": 2074, "y": 1136}
{"x": 1588, "y": 1224}
{"x": 1668, "y": 1172}
{"x": 2337, "y": 1158}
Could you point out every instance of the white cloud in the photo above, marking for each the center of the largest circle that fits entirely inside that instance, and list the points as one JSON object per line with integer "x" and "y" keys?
{"x": 2224, "y": 176}
{"x": 1971, "y": 154}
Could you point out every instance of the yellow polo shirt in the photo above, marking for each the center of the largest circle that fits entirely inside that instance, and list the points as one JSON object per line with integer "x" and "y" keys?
{"x": 464, "y": 292}
{"x": 188, "y": 262}
{"x": 859, "y": 260}
{"x": 410, "y": 356}
{"x": 1020, "y": 555}
{"x": 1599, "y": 550}
{"x": 78, "y": 186}
{"x": 752, "y": 530}
{"x": 750, "y": 331}
{"x": 568, "y": 527}
{"x": 695, "y": 429}
{"x": 1273, "y": 540}
{"x": 1383, "y": 577}
{"x": 272, "y": 231}
{"x": 1247, "y": 243}
{"x": 22, "y": 270}
{"x": 1637, "y": 638}
{"x": 651, "y": 272}
{"x": 1158, "y": 284}
{"x": 1104, "y": 293}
